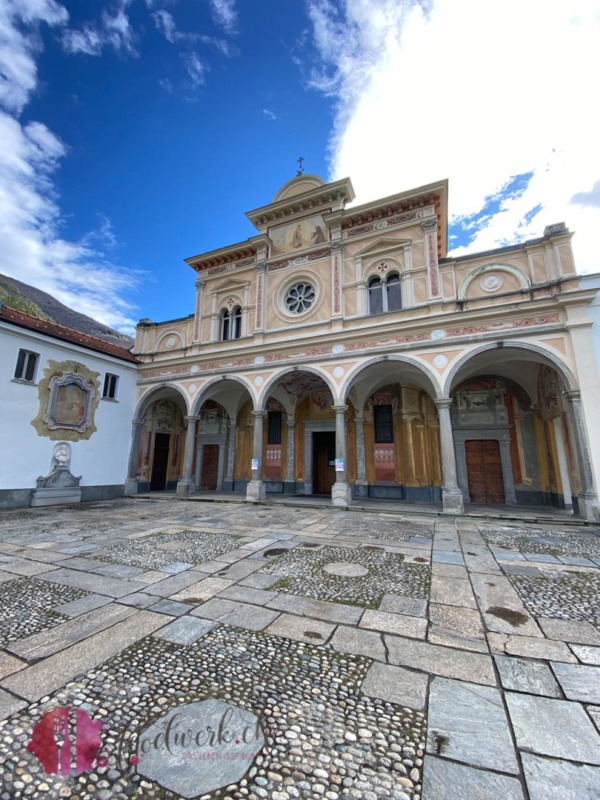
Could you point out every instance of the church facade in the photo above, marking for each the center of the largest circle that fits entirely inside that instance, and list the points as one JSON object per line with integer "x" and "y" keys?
{"x": 341, "y": 352}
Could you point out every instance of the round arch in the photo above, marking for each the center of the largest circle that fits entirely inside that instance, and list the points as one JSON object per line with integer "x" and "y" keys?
{"x": 266, "y": 390}
{"x": 218, "y": 380}
{"x": 161, "y": 392}
{"x": 460, "y": 370}
{"x": 429, "y": 381}
{"x": 478, "y": 272}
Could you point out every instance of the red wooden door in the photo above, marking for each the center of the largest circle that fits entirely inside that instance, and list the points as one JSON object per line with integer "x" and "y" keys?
{"x": 209, "y": 474}
{"x": 484, "y": 470}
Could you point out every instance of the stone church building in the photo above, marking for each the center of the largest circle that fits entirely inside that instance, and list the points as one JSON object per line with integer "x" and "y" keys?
{"x": 339, "y": 351}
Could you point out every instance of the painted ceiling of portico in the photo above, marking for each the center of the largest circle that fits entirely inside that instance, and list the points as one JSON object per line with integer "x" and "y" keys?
{"x": 298, "y": 383}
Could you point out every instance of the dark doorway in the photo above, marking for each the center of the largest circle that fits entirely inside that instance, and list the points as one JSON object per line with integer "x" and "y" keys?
{"x": 160, "y": 462}
{"x": 323, "y": 462}
{"x": 484, "y": 470}
{"x": 209, "y": 474}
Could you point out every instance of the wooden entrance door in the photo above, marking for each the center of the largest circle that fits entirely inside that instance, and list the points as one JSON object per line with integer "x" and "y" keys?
{"x": 209, "y": 474}
{"x": 484, "y": 470}
{"x": 160, "y": 461}
{"x": 323, "y": 462}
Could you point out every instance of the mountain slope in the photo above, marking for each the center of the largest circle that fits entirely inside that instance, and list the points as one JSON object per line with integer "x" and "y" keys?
{"x": 24, "y": 297}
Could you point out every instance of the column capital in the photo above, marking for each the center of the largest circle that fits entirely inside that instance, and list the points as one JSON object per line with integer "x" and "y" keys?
{"x": 291, "y": 420}
{"x": 200, "y": 283}
{"x": 443, "y": 402}
{"x": 429, "y": 225}
{"x": 337, "y": 246}
{"x": 257, "y": 414}
{"x": 340, "y": 409}
{"x": 572, "y": 394}
{"x": 136, "y": 423}
{"x": 190, "y": 419}
{"x": 261, "y": 266}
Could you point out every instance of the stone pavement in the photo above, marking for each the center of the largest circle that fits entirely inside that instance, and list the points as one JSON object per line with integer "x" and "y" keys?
{"x": 348, "y": 654}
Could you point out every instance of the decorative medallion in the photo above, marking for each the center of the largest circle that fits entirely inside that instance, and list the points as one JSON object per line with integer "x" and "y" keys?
{"x": 259, "y": 380}
{"x": 195, "y": 369}
{"x": 383, "y": 267}
{"x": 339, "y": 372}
{"x": 259, "y": 360}
{"x": 440, "y": 360}
{"x": 170, "y": 342}
{"x": 491, "y": 282}
{"x": 337, "y": 348}
{"x": 438, "y": 333}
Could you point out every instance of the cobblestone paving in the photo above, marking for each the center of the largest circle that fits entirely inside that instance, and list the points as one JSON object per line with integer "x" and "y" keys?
{"x": 473, "y": 674}
{"x": 26, "y": 607}
{"x": 302, "y": 573}
{"x": 156, "y": 551}
{"x": 561, "y": 595}
{"x": 318, "y": 727}
{"x": 579, "y": 543}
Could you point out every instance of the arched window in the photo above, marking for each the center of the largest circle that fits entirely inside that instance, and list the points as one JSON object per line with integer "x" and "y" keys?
{"x": 385, "y": 295}
{"x": 375, "y": 296}
{"x": 231, "y": 323}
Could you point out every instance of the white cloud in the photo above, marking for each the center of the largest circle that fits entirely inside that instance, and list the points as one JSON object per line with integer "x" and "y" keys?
{"x": 18, "y": 72}
{"x": 224, "y": 14}
{"x": 33, "y": 249}
{"x": 476, "y": 92}
{"x": 269, "y": 114}
{"x": 113, "y": 30}
{"x": 196, "y": 69}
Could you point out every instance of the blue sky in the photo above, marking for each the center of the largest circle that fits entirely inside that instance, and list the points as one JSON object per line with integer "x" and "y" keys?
{"x": 136, "y": 133}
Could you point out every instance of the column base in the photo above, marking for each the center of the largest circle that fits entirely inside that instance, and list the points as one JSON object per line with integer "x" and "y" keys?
{"x": 361, "y": 489}
{"x": 131, "y": 486}
{"x": 340, "y": 494}
{"x": 256, "y": 491}
{"x": 289, "y": 487}
{"x": 452, "y": 501}
{"x": 184, "y": 488}
{"x": 588, "y": 507}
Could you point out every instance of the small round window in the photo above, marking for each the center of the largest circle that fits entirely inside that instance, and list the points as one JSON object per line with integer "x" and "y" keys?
{"x": 300, "y": 298}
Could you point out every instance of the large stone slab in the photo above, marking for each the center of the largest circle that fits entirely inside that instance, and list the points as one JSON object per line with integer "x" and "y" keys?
{"x": 530, "y": 647}
{"x": 9, "y": 665}
{"x": 50, "y": 674}
{"x": 83, "y": 605}
{"x": 171, "y": 587}
{"x": 587, "y": 654}
{"x": 245, "y": 594}
{"x": 452, "y": 592}
{"x": 556, "y": 728}
{"x": 99, "y": 584}
{"x": 60, "y": 637}
{"x": 468, "y": 723}
{"x": 253, "y": 618}
{"x": 359, "y": 642}
{"x": 456, "y": 627}
{"x": 307, "y": 607}
{"x": 527, "y": 675}
{"x": 568, "y": 630}
{"x": 396, "y": 685}
{"x": 398, "y": 604}
{"x": 501, "y": 606}
{"x": 9, "y": 704}
{"x": 23, "y": 567}
{"x": 201, "y": 591}
{"x": 443, "y": 661}
{"x": 413, "y": 627}
{"x": 185, "y": 630}
{"x": 554, "y": 779}
{"x": 301, "y": 629}
{"x": 579, "y": 682}
{"x": 443, "y": 780}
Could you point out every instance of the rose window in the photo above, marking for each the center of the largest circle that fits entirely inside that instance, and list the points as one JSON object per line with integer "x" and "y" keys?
{"x": 300, "y": 298}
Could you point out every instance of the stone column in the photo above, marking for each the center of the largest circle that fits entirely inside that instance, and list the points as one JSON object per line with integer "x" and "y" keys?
{"x": 186, "y": 483}
{"x": 563, "y": 466}
{"x": 228, "y": 483}
{"x": 289, "y": 484}
{"x": 588, "y": 499}
{"x": 510, "y": 498}
{"x": 452, "y": 497}
{"x": 131, "y": 482}
{"x": 362, "y": 486}
{"x": 340, "y": 491}
{"x": 410, "y": 471}
{"x": 256, "y": 490}
{"x": 200, "y": 284}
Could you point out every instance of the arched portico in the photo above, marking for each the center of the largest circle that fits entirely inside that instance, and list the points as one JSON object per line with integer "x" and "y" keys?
{"x": 518, "y": 431}
{"x": 158, "y": 439}
{"x": 398, "y": 449}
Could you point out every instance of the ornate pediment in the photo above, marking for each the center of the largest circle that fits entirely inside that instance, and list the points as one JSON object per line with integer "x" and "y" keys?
{"x": 383, "y": 245}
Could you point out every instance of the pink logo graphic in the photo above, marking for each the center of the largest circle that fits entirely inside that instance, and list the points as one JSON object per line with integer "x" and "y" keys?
{"x": 57, "y": 737}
